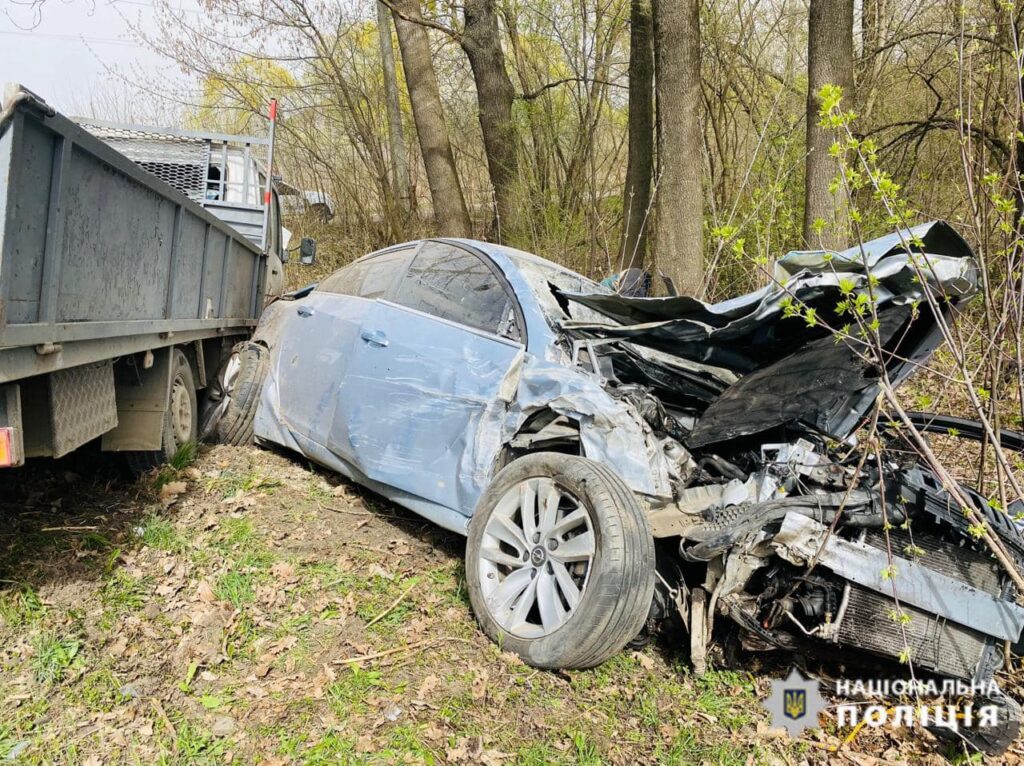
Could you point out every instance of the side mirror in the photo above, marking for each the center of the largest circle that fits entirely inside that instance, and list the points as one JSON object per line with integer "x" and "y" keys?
{"x": 307, "y": 251}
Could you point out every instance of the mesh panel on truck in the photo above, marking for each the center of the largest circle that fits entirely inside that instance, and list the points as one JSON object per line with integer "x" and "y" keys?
{"x": 179, "y": 161}
{"x": 199, "y": 167}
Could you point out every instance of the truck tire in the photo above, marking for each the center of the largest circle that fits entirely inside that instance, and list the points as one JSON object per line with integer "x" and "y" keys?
{"x": 560, "y": 561}
{"x": 181, "y": 420}
{"x": 236, "y": 426}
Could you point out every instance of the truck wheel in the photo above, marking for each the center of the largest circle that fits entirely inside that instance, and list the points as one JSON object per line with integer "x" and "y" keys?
{"x": 181, "y": 420}
{"x": 560, "y": 561}
{"x": 235, "y": 427}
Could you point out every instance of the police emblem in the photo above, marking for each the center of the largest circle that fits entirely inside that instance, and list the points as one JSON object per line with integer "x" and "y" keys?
{"x": 794, "y": 703}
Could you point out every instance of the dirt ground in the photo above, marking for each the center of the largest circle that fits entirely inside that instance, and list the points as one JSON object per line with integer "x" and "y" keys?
{"x": 248, "y": 608}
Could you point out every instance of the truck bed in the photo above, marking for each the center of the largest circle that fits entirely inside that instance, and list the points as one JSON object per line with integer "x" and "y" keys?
{"x": 99, "y": 257}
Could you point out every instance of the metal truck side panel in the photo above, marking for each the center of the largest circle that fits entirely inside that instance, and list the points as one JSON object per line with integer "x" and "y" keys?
{"x": 93, "y": 246}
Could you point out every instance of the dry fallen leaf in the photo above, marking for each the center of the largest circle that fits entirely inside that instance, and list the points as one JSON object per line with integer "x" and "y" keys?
{"x": 429, "y": 684}
{"x": 169, "y": 492}
{"x": 282, "y": 570}
{"x": 379, "y": 571}
{"x": 470, "y": 750}
{"x": 205, "y": 592}
{"x": 480, "y": 685}
{"x": 646, "y": 662}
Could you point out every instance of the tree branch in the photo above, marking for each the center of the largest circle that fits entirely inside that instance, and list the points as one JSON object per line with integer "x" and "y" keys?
{"x": 555, "y": 83}
{"x": 429, "y": 23}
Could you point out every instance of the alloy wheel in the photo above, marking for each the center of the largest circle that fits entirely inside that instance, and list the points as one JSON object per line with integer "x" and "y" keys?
{"x": 535, "y": 558}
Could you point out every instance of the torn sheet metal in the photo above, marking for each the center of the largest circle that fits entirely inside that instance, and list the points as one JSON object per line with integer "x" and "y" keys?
{"x": 800, "y": 539}
{"x": 825, "y": 386}
{"x": 611, "y": 431}
{"x": 750, "y": 331}
{"x": 793, "y": 371}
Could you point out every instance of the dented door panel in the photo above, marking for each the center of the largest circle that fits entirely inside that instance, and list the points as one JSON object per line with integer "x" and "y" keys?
{"x": 423, "y": 404}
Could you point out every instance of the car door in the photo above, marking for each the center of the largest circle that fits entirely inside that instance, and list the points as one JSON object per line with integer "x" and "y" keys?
{"x": 316, "y": 344}
{"x": 428, "y": 386}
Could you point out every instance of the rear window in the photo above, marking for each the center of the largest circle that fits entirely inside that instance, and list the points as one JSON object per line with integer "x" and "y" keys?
{"x": 367, "y": 278}
{"x": 449, "y": 282}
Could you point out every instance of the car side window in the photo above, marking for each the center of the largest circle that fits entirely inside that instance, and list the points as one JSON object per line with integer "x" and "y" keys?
{"x": 448, "y": 282}
{"x": 368, "y": 278}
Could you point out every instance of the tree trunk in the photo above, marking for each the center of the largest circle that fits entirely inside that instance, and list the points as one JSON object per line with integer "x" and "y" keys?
{"x": 445, "y": 190}
{"x": 396, "y": 137}
{"x": 482, "y": 42}
{"x": 540, "y": 155}
{"x": 636, "y": 195}
{"x": 679, "y": 230}
{"x": 829, "y": 62}
{"x": 872, "y": 20}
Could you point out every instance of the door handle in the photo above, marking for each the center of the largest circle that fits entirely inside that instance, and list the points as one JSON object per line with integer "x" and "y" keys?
{"x": 305, "y": 311}
{"x": 375, "y": 338}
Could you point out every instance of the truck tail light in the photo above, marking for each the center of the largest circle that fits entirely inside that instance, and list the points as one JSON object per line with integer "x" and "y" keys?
{"x": 6, "y": 451}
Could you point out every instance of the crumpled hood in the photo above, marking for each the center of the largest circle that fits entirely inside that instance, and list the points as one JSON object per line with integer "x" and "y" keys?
{"x": 792, "y": 371}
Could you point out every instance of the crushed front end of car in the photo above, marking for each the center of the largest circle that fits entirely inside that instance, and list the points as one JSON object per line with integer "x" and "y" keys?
{"x": 782, "y": 532}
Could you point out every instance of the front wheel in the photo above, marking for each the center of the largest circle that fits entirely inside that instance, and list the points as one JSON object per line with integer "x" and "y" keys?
{"x": 235, "y": 426}
{"x": 560, "y": 561}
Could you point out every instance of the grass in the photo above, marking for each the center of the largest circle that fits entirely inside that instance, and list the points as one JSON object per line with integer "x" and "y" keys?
{"x": 21, "y": 607}
{"x": 99, "y": 691}
{"x": 122, "y": 594}
{"x": 53, "y": 656}
{"x": 349, "y": 693}
{"x": 230, "y": 482}
{"x": 193, "y": 745}
{"x": 688, "y": 747}
{"x": 318, "y": 491}
{"x": 184, "y": 456}
{"x": 236, "y": 588}
{"x": 330, "y": 750}
{"x": 237, "y": 534}
{"x": 293, "y": 700}
{"x": 161, "y": 534}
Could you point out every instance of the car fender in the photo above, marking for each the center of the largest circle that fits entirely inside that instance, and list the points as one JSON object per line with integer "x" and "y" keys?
{"x": 611, "y": 431}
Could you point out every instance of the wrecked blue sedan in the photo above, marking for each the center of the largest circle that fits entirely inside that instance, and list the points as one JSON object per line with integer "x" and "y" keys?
{"x": 620, "y": 463}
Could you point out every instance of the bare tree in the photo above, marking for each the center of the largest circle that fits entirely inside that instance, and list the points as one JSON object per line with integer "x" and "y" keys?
{"x": 396, "y": 136}
{"x": 829, "y": 62}
{"x": 636, "y": 195}
{"x": 450, "y": 212}
{"x": 679, "y": 231}
{"x": 481, "y": 40}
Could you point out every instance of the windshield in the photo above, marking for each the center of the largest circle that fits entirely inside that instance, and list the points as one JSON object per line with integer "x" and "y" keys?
{"x": 548, "y": 279}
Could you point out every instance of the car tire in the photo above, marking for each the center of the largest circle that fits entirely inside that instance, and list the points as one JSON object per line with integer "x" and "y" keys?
{"x": 605, "y": 603}
{"x": 236, "y": 425}
{"x": 993, "y": 740}
{"x": 181, "y": 419}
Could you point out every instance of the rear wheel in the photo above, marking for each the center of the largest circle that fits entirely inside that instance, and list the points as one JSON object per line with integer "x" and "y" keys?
{"x": 560, "y": 561}
{"x": 181, "y": 420}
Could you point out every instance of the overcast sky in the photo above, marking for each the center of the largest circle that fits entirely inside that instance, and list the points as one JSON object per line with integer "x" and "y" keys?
{"x": 72, "y": 51}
